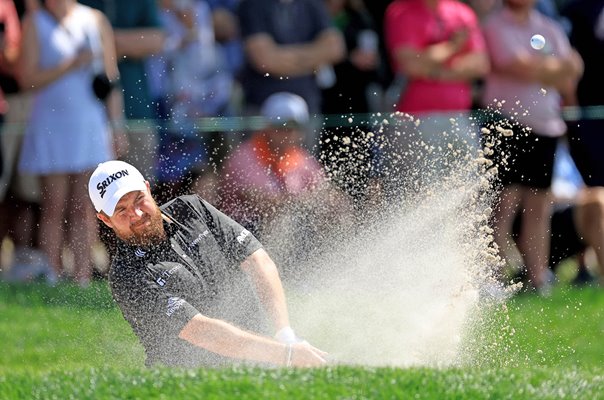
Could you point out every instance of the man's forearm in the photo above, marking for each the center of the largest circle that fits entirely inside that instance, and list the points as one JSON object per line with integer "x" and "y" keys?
{"x": 328, "y": 48}
{"x": 227, "y": 340}
{"x": 297, "y": 59}
{"x": 138, "y": 43}
{"x": 467, "y": 67}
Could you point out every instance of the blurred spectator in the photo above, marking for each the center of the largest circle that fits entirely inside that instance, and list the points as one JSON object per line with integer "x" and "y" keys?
{"x": 586, "y": 137}
{"x": 272, "y": 173}
{"x": 10, "y": 37}
{"x": 546, "y": 7}
{"x": 355, "y": 72}
{"x": 577, "y": 224}
{"x": 190, "y": 81}
{"x": 67, "y": 132}
{"x": 348, "y": 163}
{"x": 270, "y": 166}
{"x": 587, "y": 232}
{"x": 227, "y": 32}
{"x": 483, "y": 8}
{"x": 438, "y": 46}
{"x": 377, "y": 9}
{"x": 289, "y": 46}
{"x": 19, "y": 194}
{"x": 526, "y": 85}
{"x": 138, "y": 35}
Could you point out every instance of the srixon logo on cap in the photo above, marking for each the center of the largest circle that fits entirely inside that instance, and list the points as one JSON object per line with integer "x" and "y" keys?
{"x": 102, "y": 186}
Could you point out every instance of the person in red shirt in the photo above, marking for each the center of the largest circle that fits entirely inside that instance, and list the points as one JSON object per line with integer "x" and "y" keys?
{"x": 438, "y": 48}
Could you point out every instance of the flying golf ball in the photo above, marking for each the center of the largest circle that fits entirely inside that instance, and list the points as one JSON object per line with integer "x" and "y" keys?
{"x": 537, "y": 42}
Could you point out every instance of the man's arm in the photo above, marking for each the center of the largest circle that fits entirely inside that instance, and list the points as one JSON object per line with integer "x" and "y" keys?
{"x": 294, "y": 60}
{"x": 465, "y": 68}
{"x": 551, "y": 70}
{"x": 227, "y": 340}
{"x": 434, "y": 62}
{"x": 421, "y": 63}
{"x": 265, "y": 276}
{"x": 138, "y": 42}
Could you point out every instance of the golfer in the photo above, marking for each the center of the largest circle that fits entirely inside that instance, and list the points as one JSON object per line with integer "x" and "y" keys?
{"x": 192, "y": 283}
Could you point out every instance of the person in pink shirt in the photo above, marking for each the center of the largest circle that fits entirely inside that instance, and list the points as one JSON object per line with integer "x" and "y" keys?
{"x": 525, "y": 91}
{"x": 271, "y": 168}
{"x": 438, "y": 46}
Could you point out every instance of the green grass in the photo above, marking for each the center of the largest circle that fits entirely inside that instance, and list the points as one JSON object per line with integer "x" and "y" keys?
{"x": 68, "y": 343}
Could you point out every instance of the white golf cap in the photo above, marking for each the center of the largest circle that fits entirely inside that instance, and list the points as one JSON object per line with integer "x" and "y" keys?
{"x": 283, "y": 109}
{"x": 110, "y": 181}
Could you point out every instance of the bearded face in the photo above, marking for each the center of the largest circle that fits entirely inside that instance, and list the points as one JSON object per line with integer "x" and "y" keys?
{"x": 137, "y": 219}
{"x": 147, "y": 231}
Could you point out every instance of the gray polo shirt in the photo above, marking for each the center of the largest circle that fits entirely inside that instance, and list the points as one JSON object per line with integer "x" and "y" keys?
{"x": 195, "y": 270}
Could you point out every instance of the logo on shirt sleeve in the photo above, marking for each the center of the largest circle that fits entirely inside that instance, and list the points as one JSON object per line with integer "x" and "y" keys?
{"x": 243, "y": 235}
{"x": 174, "y": 303}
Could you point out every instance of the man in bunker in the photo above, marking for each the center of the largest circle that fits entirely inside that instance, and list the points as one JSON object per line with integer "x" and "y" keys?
{"x": 195, "y": 286}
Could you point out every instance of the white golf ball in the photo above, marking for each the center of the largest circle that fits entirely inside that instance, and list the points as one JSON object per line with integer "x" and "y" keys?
{"x": 537, "y": 42}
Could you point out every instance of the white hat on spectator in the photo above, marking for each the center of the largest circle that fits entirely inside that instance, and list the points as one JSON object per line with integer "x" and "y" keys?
{"x": 110, "y": 181}
{"x": 285, "y": 109}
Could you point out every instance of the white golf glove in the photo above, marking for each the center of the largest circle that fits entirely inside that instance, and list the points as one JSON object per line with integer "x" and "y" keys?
{"x": 288, "y": 336}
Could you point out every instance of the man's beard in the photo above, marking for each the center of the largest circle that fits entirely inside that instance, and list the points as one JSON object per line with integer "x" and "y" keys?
{"x": 149, "y": 235}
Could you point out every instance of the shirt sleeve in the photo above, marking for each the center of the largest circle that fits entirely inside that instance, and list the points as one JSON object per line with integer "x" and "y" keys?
{"x": 500, "y": 44}
{"x": 400, "y": 29}
{"x": 251, "y": 19}
{"x": 322, "y": 17}
{"x": 476, "y": 41}
{"x": 562, "y": 46}
{"x": 236, "y": 242}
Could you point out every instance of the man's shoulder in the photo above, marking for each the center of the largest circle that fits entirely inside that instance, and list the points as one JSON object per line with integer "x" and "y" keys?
{"x": 181, "y": 203}
{"x": 187, "y": 209}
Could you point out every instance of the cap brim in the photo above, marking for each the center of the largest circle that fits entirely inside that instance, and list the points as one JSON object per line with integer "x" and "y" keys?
{"x": 109, "y": 207}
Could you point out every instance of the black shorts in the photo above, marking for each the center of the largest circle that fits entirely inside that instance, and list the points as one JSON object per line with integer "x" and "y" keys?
{"x": 586, "y": 143}
{"x": 524, "y": 158}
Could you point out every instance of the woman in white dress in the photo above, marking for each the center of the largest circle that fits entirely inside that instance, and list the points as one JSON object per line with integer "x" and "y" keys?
{"x": 68, "y": 131}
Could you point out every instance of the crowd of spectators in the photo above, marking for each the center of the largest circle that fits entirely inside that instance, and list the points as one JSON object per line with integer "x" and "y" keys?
{"x": 84, "y": 82}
